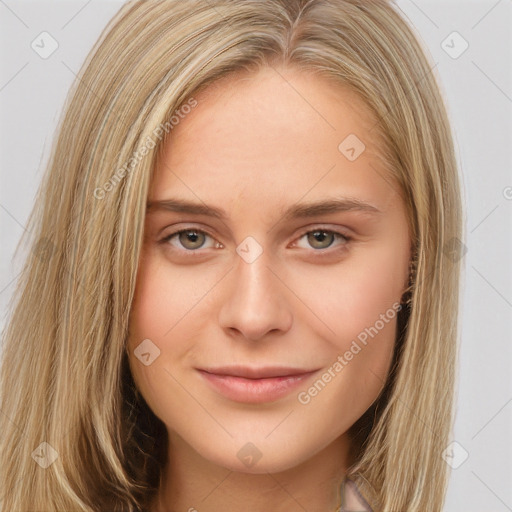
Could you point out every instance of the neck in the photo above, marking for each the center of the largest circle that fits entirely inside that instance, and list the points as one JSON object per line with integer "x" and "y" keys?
{"x": 192, "y": 483}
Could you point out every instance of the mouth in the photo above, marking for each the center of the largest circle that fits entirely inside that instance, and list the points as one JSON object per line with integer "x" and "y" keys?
{"x": 255, "y": 385}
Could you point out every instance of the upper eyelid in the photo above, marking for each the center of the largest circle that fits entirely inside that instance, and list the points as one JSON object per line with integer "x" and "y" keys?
{"x": 318, "y": 227}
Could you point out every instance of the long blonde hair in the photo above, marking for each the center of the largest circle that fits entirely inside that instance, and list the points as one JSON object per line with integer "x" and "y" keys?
{"x": 64, "y": 377}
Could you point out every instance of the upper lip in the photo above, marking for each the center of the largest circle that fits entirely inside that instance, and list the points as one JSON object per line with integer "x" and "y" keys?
{"x": 263, "y": 372}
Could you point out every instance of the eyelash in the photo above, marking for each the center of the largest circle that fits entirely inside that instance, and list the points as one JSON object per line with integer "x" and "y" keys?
{"x": 318, "y": 252}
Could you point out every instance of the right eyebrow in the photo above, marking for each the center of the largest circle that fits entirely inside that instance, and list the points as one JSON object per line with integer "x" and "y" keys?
{"x": 184, "y": 206}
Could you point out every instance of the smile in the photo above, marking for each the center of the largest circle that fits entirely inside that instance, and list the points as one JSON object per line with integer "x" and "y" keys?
{"x": 255, "y": 386}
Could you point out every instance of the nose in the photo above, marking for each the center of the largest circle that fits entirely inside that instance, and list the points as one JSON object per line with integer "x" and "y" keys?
{"x": 256, "y": 302}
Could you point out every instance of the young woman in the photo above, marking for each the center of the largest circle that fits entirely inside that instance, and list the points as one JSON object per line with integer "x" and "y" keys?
{"x": 239, "y": 295}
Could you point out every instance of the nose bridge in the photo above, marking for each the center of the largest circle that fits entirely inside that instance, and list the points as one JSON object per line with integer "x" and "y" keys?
{"x": 256, "y": 280}
{"x": 256, "y": 303}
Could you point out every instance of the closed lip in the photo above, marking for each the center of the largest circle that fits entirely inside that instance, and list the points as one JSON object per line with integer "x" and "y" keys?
{"x": 262, "y": 372}
{"x": 255, "y": 385}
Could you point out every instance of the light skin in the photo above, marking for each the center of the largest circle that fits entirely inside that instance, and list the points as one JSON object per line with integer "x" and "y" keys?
{"x": 255, "y": 146}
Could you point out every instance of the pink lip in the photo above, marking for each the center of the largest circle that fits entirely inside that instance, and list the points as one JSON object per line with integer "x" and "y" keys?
{"x": 255, "y": 386}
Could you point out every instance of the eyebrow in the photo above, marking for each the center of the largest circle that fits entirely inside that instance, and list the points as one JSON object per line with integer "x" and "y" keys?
{"x": 296, "y": 211}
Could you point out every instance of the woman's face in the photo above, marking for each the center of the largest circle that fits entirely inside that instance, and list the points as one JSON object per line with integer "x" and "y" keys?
{"x": 261, "y": 333}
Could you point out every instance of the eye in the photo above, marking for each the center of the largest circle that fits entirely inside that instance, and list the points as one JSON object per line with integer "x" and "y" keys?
{"x": 321, "y": 238}
{"x": 190, "y": 239}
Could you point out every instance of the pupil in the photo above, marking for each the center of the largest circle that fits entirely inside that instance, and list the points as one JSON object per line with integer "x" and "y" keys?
{"x": 191, "y": 239}
{"x": 319, "y": 237}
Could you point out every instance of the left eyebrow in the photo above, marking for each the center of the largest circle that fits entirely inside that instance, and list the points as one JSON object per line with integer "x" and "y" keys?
{"x": 297, "y": 211}
{"x": 329, "y": 206}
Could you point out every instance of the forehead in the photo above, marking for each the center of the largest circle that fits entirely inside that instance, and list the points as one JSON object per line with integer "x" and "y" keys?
{"x": 281, "y": 130}
{"x": 300, "y": 101}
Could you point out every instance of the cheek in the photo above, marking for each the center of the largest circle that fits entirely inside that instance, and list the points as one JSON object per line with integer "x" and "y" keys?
{"x": 363, "y": 316}
{"x": 363, "y": 291}
{"x": 359, "y": 302}
{"x": 163, "y": 297}
{"x": 162, "y": 300}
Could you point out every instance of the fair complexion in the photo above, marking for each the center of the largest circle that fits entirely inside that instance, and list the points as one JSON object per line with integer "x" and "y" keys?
{"x": 254, "y": 148}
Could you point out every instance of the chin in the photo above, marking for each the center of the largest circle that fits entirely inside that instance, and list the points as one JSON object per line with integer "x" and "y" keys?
{"x": 262, "y": 467}
{"x": 255, "y": 458}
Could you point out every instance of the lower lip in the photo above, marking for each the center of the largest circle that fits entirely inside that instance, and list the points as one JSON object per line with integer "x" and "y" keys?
{"x": 254, "y": 391}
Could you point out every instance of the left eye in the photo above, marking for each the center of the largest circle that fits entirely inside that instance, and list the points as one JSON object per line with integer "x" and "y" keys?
{"x": 323, "y": 238}
{"x": 192, "y": 239}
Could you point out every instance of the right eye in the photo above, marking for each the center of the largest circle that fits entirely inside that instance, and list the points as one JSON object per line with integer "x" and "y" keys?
{"x": 189, "y": 239}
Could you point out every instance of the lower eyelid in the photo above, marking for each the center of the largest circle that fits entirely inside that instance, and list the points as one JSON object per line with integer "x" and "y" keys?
{"x": 167, "y": 238}
{"x": 340, "y": 236}
{"x": 345, "y": 238}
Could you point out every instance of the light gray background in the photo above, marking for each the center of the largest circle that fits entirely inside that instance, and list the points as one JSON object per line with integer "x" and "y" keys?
{"x": 478, "y": 89}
